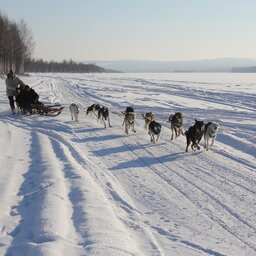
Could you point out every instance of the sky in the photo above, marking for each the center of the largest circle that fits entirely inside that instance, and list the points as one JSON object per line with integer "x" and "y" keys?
{"x": 162, "y": 30}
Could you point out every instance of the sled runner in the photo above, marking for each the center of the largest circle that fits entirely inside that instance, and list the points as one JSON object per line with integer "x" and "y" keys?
{"x": 51, "y": 110}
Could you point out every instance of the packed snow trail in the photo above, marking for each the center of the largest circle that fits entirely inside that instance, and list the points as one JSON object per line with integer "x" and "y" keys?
{"x": 75, "y": 188}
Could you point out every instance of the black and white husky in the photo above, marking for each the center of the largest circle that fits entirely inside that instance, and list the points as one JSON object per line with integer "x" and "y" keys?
{"x": 94, "y": 108}
{"x": 103, "y": 116}
{"x": 210, "y": 132}
{"x": 74, "y": 111}
{"x": 154, "y": 129}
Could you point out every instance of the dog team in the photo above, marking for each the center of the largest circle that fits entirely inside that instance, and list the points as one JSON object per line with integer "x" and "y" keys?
{"x": 193, "y": 135}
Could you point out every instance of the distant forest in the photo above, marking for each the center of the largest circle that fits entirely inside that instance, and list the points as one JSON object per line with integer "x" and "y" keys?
{"x": 66, "y": 66}
{"x": 244, "y": 70}
{"x": 16, "y": 48}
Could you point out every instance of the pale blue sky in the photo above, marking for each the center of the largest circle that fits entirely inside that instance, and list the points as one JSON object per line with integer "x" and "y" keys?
{"x": 163, "y": 30}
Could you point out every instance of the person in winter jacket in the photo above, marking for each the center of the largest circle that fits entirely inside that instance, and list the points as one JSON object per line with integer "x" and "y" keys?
{"x": 29, "y": 97}
{"x": 12, "y": 82}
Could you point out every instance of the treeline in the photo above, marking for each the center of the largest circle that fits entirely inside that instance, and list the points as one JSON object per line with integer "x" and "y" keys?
{"x": 16, "y": 44}
{"x": 65, "y": 66}
{"x": 244, "y": 70}
{"x": 16, "y": 48}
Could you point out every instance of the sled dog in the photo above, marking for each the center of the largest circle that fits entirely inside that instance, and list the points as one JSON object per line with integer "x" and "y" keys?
{"x": 194, "y": 134}
{"x": 210, "y": 132}
{"x": 154, "y": 129}
{"x": 103, "y": 116}
{"x": 129, "y": 119}
{"x": 74, "y": 111}
{"x": 94, "y": 108}
{"x": 148, "y": 117}
{"x": 19, "y": 99}
{"x": 176, "y": 121}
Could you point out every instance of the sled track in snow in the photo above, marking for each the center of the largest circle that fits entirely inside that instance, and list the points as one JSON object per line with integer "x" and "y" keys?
{"x": 226, "y": 212}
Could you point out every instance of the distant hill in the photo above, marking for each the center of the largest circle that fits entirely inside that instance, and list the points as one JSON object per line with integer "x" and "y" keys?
{"x": 206, "y": 65}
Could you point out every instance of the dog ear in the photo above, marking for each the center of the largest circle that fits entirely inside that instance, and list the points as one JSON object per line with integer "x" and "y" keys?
{"x": 196, "y": 121}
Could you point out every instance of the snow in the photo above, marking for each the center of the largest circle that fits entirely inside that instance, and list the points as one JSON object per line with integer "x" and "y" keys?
{"x": 76, "y": 188}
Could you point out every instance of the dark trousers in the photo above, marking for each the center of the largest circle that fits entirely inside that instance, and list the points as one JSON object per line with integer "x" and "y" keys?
{"x": 11, "y": 101}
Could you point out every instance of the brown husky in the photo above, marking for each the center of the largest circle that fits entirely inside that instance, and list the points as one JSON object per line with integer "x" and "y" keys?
{"x": 129, "y": 119}
{"x": 148, "y": 117}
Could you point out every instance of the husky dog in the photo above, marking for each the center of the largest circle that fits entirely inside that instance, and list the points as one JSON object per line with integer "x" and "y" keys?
{"x": 20, "y": 99}
{"x": 74, "y": 111}
{"x": 176, "y": 121}
{"x": 94, "y": 108}
{"x": 129, "y": 119}
{"x": 103, "y": 115}
{"x": 148, "y": 117}
{"x": 210, "y": 132}
{"x": 194, "y": 134}
{"x": 154, "y": 129}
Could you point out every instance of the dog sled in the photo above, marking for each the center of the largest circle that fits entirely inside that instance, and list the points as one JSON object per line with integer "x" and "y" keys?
{"x": 50, "y": 110}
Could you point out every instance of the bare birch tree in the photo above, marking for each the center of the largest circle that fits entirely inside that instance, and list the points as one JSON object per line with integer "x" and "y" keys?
{"x": 16, "y": 44}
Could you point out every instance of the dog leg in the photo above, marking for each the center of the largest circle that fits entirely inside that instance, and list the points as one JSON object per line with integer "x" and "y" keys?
{"x": 152, "y": 137}
{"x": 196, "y": 145}
{"x": 172, "y": 133}
{"x": 192, "y": 147}
{"x": 147, "y": 124}
{"x": 213, "y": 139}
{"x": 109, "y": 123}
{"x": 178, "y": 132}
{"x": 149, "y": 133}
{"x": 95, "y": 114}
{"x": 133, "y": 128}
{"x": 188, "y": 143}
{"x": 126, "y": 127}
{"x": 206, "y": 144}
{"x": 102, "y": 120}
